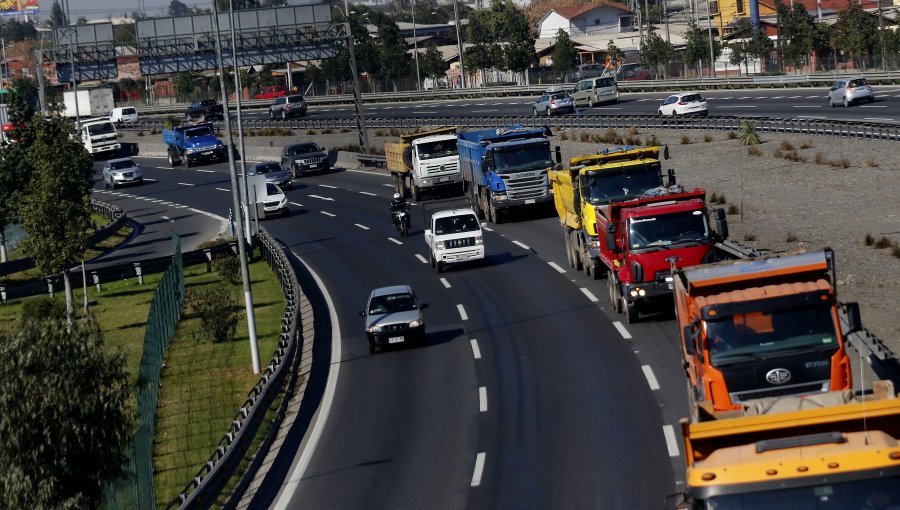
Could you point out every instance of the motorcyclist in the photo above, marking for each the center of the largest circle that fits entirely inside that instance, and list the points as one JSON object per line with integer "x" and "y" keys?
{"x": 398, "y": 204}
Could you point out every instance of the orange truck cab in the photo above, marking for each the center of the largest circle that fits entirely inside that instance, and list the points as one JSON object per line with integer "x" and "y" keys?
{"x": 761, "y": 328}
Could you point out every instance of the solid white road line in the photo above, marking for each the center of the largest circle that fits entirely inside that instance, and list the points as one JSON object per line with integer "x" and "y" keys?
{"x": 391, "y": 239}
{"x": 739, "y": 106}
{"x": 327, "y": 186}
{"x": 207, "y": 171}
{"x": 322, "y": 198}
{"x": 671, "y": 442}
{"x": 368, "y": 193}
{"x": 482, "y": 111}
{"x": 622, "y": 331}
{"x": 226, "y": 190}
{"x": 872, "y": 106}
{"x": 462, "y": 312}
{"x": 482, "y": 399}
{"x": 296, "y": 204}
{"x": 421, "y": 258}
{"x": 328, "y": 214}
{"x": 556, "y": 266}
{"x": 489, "y": 229}
{"x": 361, "y": 226}
{"x": 301, "y": 462}
{"x": 476, "y": 352}
{"x": 184, "y": 184}
{"x": 805, "y": 106}
{"x": 479, "y": 468}
{"x": 589, "y": 294}
{"x": 521, "y": 245}
{"x": 446, "y": 283}
{"x": 651, "y": 378}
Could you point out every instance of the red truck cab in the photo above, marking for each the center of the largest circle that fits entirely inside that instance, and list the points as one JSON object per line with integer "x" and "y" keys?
{"x": 641, "y": 238}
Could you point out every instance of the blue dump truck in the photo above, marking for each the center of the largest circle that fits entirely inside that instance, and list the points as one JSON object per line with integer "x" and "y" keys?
{"x": 193, "y": 143}
{"x": 505, "y": 168}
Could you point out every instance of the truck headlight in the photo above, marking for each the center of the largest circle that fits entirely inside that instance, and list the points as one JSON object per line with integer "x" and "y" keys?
{"x": 499, "y": 197}
{"x": 478, "y": 240}
{"x": 440, "y": 245}
{"x": 190, "y": 150}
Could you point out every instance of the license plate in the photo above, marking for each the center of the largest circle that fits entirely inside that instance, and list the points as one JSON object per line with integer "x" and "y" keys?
{"x": 207, "y": 153}
{"x": 316, "y": 165}
{"x": 395, "y": 339}
{"x": 529, "y": 201}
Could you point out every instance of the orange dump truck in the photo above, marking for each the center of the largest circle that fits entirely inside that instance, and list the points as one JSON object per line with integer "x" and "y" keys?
{"x": 760, "y": 328}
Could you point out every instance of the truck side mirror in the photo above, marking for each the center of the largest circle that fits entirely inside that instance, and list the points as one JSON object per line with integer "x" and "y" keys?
{"x": 671, "y": 180}
{"x": 854, "y": 321}
{"x": 558, "y": 153}
{"x": 611, "y": 238}
{"x": 690, "y": 346}
{"x": 721, "y": 223}
{"x": 427, "y": 232}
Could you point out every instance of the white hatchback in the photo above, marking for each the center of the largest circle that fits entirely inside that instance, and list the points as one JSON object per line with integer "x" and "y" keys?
{"x": 123, "y": 115}
{"x": 689, "y": 103}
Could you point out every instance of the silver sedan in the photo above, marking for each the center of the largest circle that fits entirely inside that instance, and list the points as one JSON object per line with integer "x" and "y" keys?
{"x": 274, "y": 174}
{"x": 118, "y": 172}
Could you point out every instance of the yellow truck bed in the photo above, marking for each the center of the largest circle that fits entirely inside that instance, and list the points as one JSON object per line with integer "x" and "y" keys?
{"x": 393, "y": 151}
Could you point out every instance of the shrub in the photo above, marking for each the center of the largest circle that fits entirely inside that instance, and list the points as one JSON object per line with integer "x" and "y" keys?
{"x": 871, "y": 163}
{"x": 685, "y": 140}
{"x": 843, "y": 163}
{"x": 633, "y": 140}
{"x": 379, "y": 132}
{"x": 731, "y": 135}
{"x": 732, "y": 210}
{"x": 229, "y": 268}
{"x": 806, "y": 145}
{"x": 653, "y": 141}
{"x": 794, "y": 156}
{"x": 748, "y": 133}
{"x": 715, "y": 198}
{"x": 785, "y": 146}
{"x": 632, "y": 131}
{"x": 43, "y": 308}
{"x": 171, "y": 121}
{"x": 216, "y": 309}
{"x": 345, "y": 130}
{"x": 791, "y": 238}
{"x": 585, "y": 137}
{"x": 754, "y": 151}
{"x": 140, "y": 133}
{"x": 395, "y": 132}
{"x": 821, "y": 159}
{"x": 310, "y": 132}
{"x": 895, "y": 251}
{"x": 870, "y": 240}
{"x": 327, "y": 131}
{"x": 611, "y": 136}
{"x": 749, "y": 237}
{"x": 563, "y": 136}
{"x": 883, "y": 242}
{"x": 777, "y": 153}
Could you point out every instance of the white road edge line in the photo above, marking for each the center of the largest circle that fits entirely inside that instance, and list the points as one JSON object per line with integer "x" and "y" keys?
{"x": 184, "y": 184}
{"x": 671, "y": 442}
{"x": 207, "y": 171}
{"x": 622, "y": 331}
{"x": 446, "y": 283}
{"x": 421, "y": 259}
{"x": 223, "y": 189}
{"x": 462, "y": 312}
{"x": 476, "y": 352}
{"x": 164, "y": 217}
{"x": 328, "y": 214}
{"x": 651, "y": 378}
{"x": 368, "y": 193}
{"x": 482, "y": 399}
{"x": 391, "y": 239}
{"x": 589, "y": 294}
{"x": 489, "y": 229}
{"x": 361, "y": 226}
{"x": 479, "y": 469}
{"x": 556, "y": 266}
{"x": 521, "y": 245}
{"x": 303, "y": 457}
{"x": 296, "y": 204}
{"x": 327, "y": 186}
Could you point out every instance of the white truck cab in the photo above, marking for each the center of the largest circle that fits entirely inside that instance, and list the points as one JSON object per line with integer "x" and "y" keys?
{"x": 99, "y": 136}
{"x": 455, "y": 236}
{"x": 435, "y": 162}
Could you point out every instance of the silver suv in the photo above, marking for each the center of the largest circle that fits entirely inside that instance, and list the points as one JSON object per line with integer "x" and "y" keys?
{"x": 287, "y": 106}
{"x": 555, "y": 100}
{"x": 393, "y": 315}
{"x": 849, "y": 90}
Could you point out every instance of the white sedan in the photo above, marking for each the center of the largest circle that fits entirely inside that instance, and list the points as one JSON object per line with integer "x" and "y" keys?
{"x": 689, "y": 103}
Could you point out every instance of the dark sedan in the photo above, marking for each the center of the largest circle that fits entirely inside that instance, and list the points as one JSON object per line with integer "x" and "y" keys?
{"x": 303, "y": 158}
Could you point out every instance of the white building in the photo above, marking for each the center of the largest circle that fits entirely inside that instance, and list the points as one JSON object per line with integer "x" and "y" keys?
{"x": 588, "y": 20}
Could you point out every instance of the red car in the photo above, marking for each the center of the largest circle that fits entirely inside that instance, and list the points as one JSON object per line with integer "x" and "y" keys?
{"x": 271, "y": 92}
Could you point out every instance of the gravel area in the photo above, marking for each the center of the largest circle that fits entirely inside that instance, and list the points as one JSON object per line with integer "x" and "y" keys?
{"x": 836, "y": 193}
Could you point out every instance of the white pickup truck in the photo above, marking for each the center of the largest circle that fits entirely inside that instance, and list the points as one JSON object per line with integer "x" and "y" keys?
{"x": 455, "y": 236}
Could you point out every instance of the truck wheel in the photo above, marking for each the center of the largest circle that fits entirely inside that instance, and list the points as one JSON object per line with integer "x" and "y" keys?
{"x": 614, "y": 299}
{"x": 404, "y": 190}
{"x": 433, "y": 264}
{"x": 416, "y": 193}
{"x": 590, "y": 102}
{"x": 576, "y": 252}
{"x": 439, "y": 267}
{"x": 187, "y": 162}
{"x": 568, "y": 247}
{"x": 172, "y": 162}
{"x": 631, "y": 313}
{"x": 694, "y": 411}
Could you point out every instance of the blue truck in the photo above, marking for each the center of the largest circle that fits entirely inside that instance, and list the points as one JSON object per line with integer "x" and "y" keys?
{"x": 505, "y": 168}
{"x": 193, "y": 143}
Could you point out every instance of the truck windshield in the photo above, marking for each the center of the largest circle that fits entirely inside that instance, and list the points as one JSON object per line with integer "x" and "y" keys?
{"x": 523, "y": 160}
{"x": 455, "y": 224}
{"x": 667, "y": 229}
{"x": 603, "y": 188}
{"x": 432, "y": 150}
{"x": 105, "y": 128}
{"x": 874, "y": 494}
{"x": 194, "y": 133}
{"x": 771, "y": 333}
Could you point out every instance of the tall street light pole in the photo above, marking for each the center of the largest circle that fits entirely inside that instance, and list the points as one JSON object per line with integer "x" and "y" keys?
{"x": 459, "y": 45}
{"x": 712, "y": 58}
{"x": 416, "y": 47}
{"x": 73, "y": 47}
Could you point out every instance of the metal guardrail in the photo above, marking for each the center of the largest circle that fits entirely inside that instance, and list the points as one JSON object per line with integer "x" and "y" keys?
{"x": 883, "y": 361}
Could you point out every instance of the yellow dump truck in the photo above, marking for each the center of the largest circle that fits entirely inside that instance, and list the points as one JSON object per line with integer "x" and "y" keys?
{"x": 836, "y": 451}
{"x": 596, "y": 180}
{"x": 424, "y": 162}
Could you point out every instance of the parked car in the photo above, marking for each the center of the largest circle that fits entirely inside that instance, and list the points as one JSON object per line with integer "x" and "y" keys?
{"x": 206, "y": 110}
{"x": 271, "y": 92}
{"x": 287, "y": 106}
{"x": 688, "y": 103}
{"x": 275, "y": 202}
{"x": 432, "y": 84}
{"x": 629, "y": 72}
{"x": 393, "y": 315}
{"x": 123, "y": 115}
{"x": 302, "y": 158}
{"x": 596, "y": 91}
{"x": 554, "y": 101}
{"x": 847, "y": 91}
{"x": 274, "y": 173}
{"x": 590, "y": 71}
{"x": 122, "y": 171}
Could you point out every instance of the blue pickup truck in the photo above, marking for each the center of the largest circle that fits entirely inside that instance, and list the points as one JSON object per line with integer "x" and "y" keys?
{"x": 505, "y": 168}
{"x": 193, "y": 143}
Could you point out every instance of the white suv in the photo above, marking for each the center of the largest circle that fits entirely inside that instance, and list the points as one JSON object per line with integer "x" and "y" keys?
{"x": 123, "y": 115}
{"x": 455, "y": 236}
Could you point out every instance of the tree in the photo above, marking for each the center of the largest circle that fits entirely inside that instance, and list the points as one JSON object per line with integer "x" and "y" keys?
{"x": 565, "y": 55}
{"x": 26, "y": 89}
{"x": 66, "y": 414}
{"x": 81, "y": 20}
{"x": 177, "y": 8}
{"x": 15, "y": 170}
{"x": 432, "y": 63}
{"x": 13, "y": 30}
{"x": 759, "y": 46}
{"x": 614, "y": 53}
{"x": 855, "y": 33}
{"x": 798, "y": 32}
{"x": 56, "y": 207}
{"x": 501, "y": 37}
{"x": 57, "y": 17}
{"x": 393, "y": 59}
{"x": 697, "y": 47}
{"x": 184, "y": 85}
{"x": 656, "y": 52}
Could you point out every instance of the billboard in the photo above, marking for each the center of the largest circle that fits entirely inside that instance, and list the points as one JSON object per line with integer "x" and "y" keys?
{"x": 14, "y": 7}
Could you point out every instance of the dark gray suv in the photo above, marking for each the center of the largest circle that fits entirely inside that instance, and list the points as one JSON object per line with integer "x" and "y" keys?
{"x": 303, "y": 158}
{"x": 287, "y": 106}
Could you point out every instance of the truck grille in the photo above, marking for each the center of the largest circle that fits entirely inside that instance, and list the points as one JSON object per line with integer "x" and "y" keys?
{"x": 532, "y": 185}
{"x": 780, "y": 392}
{"x": 449, "y": 168}
{"x": 460, "y": 243}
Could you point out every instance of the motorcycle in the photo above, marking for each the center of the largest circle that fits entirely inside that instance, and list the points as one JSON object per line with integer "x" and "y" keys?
{"x": 401, "y": 222}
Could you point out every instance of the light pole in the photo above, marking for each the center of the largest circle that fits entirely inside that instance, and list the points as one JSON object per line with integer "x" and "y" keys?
{"x": 459, "y": 45}
{"x": 712, "y": 59}
{"x": 73, "y": 47}
{"x": 416, "y": 47}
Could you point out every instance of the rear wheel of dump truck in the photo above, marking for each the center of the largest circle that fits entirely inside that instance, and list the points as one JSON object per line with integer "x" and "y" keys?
{"x": 173, "y": 162}
{"x": 576, "y": 251}
{"x": 693, "y": 410}
{"x": 566, "y": 234}
{"x": 614, "y": 299}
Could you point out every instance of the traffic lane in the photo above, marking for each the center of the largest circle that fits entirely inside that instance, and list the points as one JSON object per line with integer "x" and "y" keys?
{"x": 566, "y": 402}
{"x": 398, "y": 435}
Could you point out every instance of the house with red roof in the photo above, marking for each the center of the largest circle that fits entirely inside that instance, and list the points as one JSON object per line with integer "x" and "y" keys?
{"x": 586, "y": 20}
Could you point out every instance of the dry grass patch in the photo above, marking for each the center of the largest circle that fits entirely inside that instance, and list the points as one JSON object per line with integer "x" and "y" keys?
{"x": 685, "y": 140}
{"x": 791, "y": 238}
{"x": 785, "y": 146}
{"x": 871, "y": 163}
{"x": 821, "y": 159}
{"x": 707, "y": 138}
{"x": 754, "y": 151}
{"x": 806, "y": 144}
{"x": 732, "y": 210}
{"x": 749, "y": 237}
{"x": 731, "y": 135}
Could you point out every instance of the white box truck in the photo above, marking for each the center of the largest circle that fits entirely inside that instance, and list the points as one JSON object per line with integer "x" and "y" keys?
{"x": 91, "y": 103}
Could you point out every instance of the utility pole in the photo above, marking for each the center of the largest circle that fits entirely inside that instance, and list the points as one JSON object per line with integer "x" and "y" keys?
{"x": 712, "y": 58}
{"x": 235, "y": 198}
{"x": 880, "y": 36}
{"x": 416, "y": 47}
{"x": 665, "y": 8}
{"x": 357, "y": 94}
{"x": 73, "y": 47}
{"x": 459, "y": 45}
{"x": 238, "y": 90}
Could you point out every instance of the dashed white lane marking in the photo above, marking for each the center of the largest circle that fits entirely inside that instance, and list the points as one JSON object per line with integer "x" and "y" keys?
{"x": 361, "y": 226}
{"x": 421, "y": 258}
{"x": 368, "y": 193}
{"x": 162, "y": 167}
{"x": 671, "y": 442}
{"x": 184, "y": 184}
{"x": 446, "y": 283}
{"x": 479, "y": 469}
{"x": 810, "y": 117}
{"x": 489, "y": 229}
{"x": 164, "y": 217}
{"x": 745, "y": 97}
{"x": 482, "y": 111}
{"x": 146, "y": 179}
{"x": 296, "y": 204}
{"x": 388, "y": 185}
{"x": 321, "y": 198}
{"x": 223, "y": 189}
{"x": 739, "y": 106}
{"x": 556, "y": 266}
{"x": 622, "y": 331}
{"x": 207, "y": 171}
{"x": 805, "y": 106}
{"x": 521, "y": 245}
{"x": 760, "y": 97}
{"x": 327, "y": 186}
{"x": 878, "y": 118}
{"x": 795, "y": 97}
{"x": 482, "y": 399}
{"x": 462, "y": 312}
{"x": 391, "y": 239}
{"x": 590, "y": 295}
{"x": 328, "y": 214}
{"x": 651, "y": 378}
{"x": 872, "y": 106}
{"x": 476, "y": 352}
{"x": 183, "y": 206}
{"x": 778, "y": 97}
{"x": 813, "y": 97}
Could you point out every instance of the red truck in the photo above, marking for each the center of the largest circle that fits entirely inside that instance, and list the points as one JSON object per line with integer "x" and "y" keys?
{"x": 643, "y": 237}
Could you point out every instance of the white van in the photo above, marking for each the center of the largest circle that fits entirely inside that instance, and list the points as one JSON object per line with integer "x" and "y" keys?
{"x": 123, "y": 115}
{"x": 596, "y": 91}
